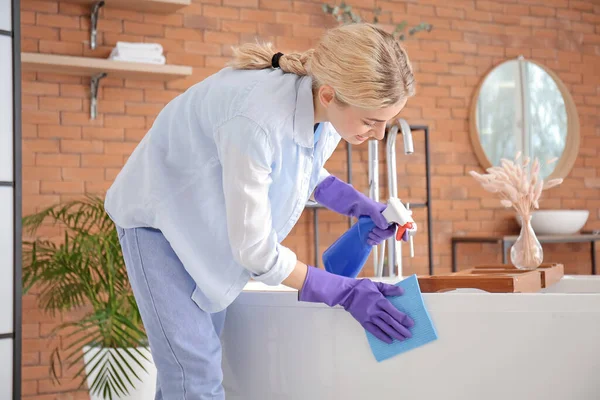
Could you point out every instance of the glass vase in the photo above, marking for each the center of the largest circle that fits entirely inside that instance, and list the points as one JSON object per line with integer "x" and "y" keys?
{"x": 527, "y": 251}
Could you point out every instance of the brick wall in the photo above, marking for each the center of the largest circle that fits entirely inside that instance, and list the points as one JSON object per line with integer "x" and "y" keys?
{"x": 65, "y": 154}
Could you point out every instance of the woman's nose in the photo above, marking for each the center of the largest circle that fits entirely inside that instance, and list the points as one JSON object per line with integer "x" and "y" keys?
{"x": 379, "y": 133}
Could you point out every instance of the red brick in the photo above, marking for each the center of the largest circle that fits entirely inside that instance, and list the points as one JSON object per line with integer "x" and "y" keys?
{"x": 29, "y": 102}
{"x": 51, "y": 187}
{"x": 284, "y": 5}
{"x": 57, "y": 21}
{"x": 121, "y": 14}
{"x": 40, "y": 145}
{"x": 168, "y": 20}
{"x": 39, "y": 32}
{"x": 533, "y": 21}
{"x": 238, "y": 26}
{"x": 56, "y": 47}
{"x": 184, "y": 34}
{"x": 568, "y": 14}
{"x": 72, "y": 9}
{"x": 184, "y": 58}
{"x": 274, "y": 29}
{"x": 241, "y": 3}
{"x": 41, "y": 173}
{"x": 123, "y": 121}
{"x": 103, "y": 133}
{"x": 143, "y": 109}
{"x": 463, "y": 47}
{"x": 57, "y": 160}
{"x": 414, "y": 9}
{"x": 30, "y": 373}
{"x": 59, "y": 103}
{"x": 203, "y": 48}
{"x": 201, "y": 22}
{"x": 541, "y": 11}
{"x": 48, "y": 386}
{"x": 222, "y": 37}
{"x": 81, "y": 146}
{"x": 217, "y": 61}
{"x": 581, "y": 5}
{"x": 110, "y": 174}
{"x": 292, "y": 44}
{"x": 135, "y": 135}
{"x": 292, "y": 18}
{"x": 111, "y": 39}
{"x": 258, "y": 15}
{"x": 148, "y": 29}
{"x": 446, "y": 35}
{"x": 83, "y": 174}
{"x": 435, "y": 45}
{"x": 101, "y": 160}
{"x": 221, "y": 12}
{"x": 159, "y": 96}
{"x": 29, "y": 131}
{"x": 97, "y": 187}
{"x": 450, "y": 12}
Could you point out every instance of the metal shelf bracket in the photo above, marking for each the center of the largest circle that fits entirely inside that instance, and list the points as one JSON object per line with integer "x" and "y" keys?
{"x": 94, "y": 23}
{"x": 94, "y": 84}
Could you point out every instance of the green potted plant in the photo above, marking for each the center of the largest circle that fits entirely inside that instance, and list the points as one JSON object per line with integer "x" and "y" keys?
{"x": 344, "y": 14}
{"x": 85, "y": 271}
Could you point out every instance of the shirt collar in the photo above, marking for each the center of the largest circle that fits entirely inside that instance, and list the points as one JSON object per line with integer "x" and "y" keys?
{"x": 304, "y": 116}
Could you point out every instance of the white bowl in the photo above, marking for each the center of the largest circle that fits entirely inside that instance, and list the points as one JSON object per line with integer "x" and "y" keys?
{"x": 557, "y": 222}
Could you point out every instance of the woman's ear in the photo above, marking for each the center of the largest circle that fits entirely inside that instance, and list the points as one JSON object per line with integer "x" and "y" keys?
{"x": 326, "y": 95}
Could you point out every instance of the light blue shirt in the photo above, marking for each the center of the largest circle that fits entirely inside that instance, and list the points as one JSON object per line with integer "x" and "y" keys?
{"x": 225, "y": 173}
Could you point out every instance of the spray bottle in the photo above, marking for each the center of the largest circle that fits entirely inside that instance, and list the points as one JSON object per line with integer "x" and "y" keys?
{"x": 348, "y": 254}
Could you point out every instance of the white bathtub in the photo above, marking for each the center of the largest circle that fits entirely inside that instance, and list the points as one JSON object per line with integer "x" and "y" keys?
{"x": 491, "y": 346}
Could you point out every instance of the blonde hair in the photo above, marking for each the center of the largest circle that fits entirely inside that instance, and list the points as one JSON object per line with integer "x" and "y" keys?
{"x": 365, "y": 65}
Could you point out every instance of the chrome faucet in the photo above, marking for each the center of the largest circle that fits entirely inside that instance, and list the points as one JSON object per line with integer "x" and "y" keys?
{"x": 394, "y": 251}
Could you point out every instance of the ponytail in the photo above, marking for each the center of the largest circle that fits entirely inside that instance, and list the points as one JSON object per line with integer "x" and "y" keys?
{"x": 260, "y": 56}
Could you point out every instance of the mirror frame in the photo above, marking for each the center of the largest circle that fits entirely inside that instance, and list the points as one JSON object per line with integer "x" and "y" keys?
{"x": 565, "y": 163}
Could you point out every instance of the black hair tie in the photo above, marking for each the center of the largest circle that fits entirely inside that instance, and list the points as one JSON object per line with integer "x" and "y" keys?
{"x": 275, "y": 60}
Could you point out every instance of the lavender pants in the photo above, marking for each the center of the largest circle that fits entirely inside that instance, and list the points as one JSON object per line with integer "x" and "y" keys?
{"x": 184, "y": 339}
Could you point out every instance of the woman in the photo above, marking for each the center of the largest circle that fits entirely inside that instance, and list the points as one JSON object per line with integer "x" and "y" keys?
{"x": 220, "y": 179}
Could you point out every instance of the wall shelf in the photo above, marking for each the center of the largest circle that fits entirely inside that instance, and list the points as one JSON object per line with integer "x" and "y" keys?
{"x": 98, "y": 68}
{"x": 151, "y": 6}
{"x": 89, "y": 66}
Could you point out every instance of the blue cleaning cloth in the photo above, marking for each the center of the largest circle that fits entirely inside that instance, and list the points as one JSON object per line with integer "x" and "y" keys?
{"x": 410, "y": 303}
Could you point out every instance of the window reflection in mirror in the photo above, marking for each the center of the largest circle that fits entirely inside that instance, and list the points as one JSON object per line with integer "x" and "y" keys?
{"x": 520, "y": 108}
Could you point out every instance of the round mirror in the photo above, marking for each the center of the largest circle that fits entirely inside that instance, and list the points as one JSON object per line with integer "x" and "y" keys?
{"x": 521, "y": 106}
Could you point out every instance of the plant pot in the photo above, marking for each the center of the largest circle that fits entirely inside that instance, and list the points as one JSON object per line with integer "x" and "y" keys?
{"x": 141, "y": 390}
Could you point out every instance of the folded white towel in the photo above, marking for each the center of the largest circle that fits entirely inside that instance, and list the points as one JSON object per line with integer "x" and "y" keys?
{"x": 151, "y": 48}
{"x": 157, "y": 60}
{"x": 151, "y": 59}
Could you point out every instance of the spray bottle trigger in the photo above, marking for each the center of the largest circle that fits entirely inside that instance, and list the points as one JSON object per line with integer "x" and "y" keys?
{"x": 402, "y": 229}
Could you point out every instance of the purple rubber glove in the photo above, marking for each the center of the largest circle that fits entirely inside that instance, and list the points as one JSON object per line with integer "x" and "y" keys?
{"x": 363, "y": 299}
{"x": 343, "y": 198}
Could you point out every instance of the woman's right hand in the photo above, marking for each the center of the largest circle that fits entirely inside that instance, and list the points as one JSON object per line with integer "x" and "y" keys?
{"x": 364, "y": 299}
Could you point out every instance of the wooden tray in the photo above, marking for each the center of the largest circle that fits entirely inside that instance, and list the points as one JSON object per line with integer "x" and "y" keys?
{"x": 551, "y": 272}
{"x": 499, "y": 278}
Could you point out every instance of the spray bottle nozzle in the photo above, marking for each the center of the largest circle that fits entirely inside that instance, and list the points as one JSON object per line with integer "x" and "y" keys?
{"x": 397, "y": 213}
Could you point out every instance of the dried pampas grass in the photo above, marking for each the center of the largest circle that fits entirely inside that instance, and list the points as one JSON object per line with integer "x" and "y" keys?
{"x": 517, "y": 183}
